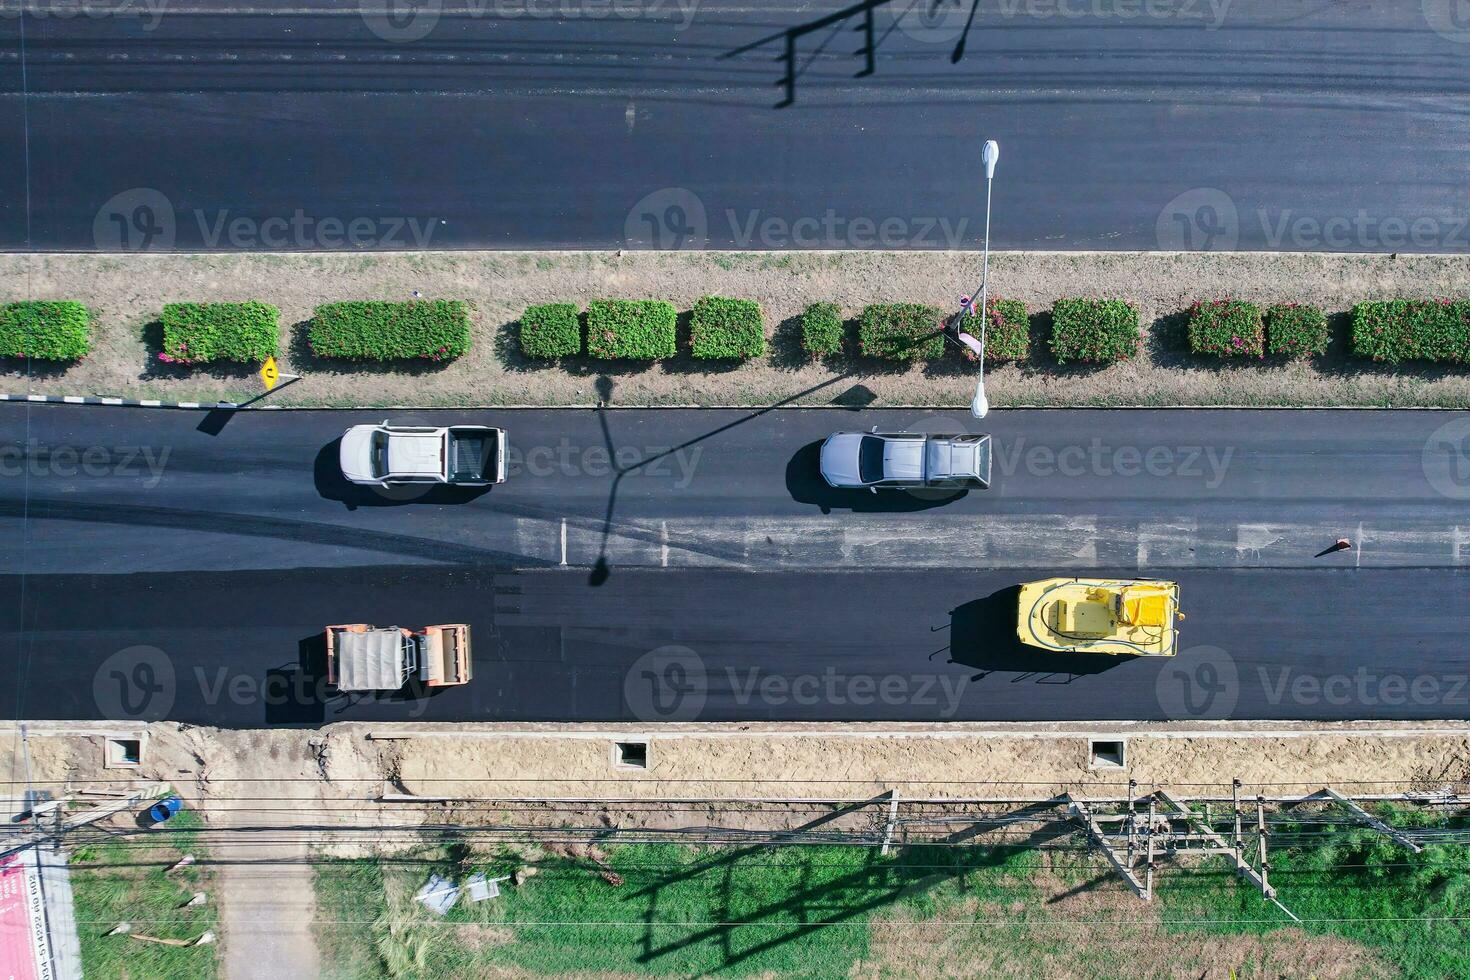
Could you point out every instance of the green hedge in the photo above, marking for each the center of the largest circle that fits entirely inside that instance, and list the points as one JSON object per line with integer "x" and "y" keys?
{"x": 631, "y": 329}
{"x": 727, "y": 329}
{"x": 1227, "y": 328}
{"x": 551, "y": 330}
{"x": 822, "y": 330}
{"x": 432, "y": 330}
{"x": 1094, "y": 330}
{"x": 1413, "y": 330}
{"x": 901, "y": 332}
{"x": 1008, "y": 335}
{"x": 1296, "y": 330}
{"x": 45, "y": 330}
{"x": 198, "y": 333}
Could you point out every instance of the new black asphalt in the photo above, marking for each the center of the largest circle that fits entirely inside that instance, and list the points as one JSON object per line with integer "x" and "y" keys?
{"x": 182, "y": 565}
{"x": 1197, "y": 124}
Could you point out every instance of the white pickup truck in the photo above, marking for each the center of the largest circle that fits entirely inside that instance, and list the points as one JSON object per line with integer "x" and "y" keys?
{"x": 394, "y": 455}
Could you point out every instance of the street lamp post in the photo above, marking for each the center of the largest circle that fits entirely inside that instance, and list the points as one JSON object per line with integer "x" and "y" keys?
{"x": 980, "y": 405}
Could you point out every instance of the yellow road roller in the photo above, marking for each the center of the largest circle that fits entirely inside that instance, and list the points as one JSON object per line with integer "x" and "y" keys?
{"x": 1123, "y": 617}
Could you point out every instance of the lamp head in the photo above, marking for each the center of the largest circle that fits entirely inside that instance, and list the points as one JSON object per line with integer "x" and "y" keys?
{"x": 988, "y": 156}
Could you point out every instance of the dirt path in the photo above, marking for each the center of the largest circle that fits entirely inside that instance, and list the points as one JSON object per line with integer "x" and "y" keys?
{"x": 128, "y": 291}
{"x": 267, "y": 905}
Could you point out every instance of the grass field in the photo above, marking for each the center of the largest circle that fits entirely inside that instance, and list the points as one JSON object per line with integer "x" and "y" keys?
{"x": 124, "y": 881}
{"x": 833, "y": 911}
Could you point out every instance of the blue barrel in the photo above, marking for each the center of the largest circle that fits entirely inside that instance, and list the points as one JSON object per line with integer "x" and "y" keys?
{"x": 165, "y": 808}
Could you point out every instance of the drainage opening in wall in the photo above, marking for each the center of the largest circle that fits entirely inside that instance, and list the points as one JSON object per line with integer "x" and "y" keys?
{"x": 124, "y": 753}
{"x": 1107, "y": 753}
{"x": 630, "y": 755}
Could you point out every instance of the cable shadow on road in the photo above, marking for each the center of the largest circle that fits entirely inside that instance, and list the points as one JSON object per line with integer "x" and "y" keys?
{"x": 983, "y": 636}
{"x": 923, "y": 15}
{"x": 605, "y": 385}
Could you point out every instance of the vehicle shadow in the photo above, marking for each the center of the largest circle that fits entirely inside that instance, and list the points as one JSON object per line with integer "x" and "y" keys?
{"x": 805, "y": 484}
{"x": 983, "y": 636}
{"x": 332, "y": 485}
{"x": 297, "y": 693}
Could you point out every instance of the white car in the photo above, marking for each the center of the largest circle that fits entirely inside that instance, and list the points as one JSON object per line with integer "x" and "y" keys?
{"x": 905, "y": 460}
{"x": 396, "y": 455}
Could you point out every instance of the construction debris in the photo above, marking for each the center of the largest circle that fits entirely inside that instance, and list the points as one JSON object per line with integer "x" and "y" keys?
{"x": 438, "y": 895}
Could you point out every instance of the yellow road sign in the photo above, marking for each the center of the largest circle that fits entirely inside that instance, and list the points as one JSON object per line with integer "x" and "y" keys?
{"x": 269, "y": 373}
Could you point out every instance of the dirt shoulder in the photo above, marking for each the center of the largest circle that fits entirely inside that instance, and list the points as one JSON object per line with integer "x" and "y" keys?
{"x": 128, "y": 291}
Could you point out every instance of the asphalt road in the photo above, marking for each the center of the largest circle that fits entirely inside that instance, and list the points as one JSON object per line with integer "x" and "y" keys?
{"x": 182, "y": 565}
{"x": 676, "y": 123}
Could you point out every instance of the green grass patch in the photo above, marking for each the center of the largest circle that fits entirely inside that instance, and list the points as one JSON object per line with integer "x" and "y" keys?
{"x": 822, "y": 331}
{"x": 1357, "y": 885}
{"x": 820, "y": 911}
{"x": 632, "y": 329}
{"x": 1227, "y": 328}
{"x": 45, "y": 330}
{"x": 901, "y": 332}
{"x": 1296, "y": 330}
{"x": 1413, "y": 330}
{"x": 1096, "y": 331}
{"x": 681, "y": 911}
{"x": 124, "y": 881}
{"x": 722, "y": 328}
{"x": 200, "y": 333}
{"x": 551, "y": 330}
{"x": 421, "y": 329}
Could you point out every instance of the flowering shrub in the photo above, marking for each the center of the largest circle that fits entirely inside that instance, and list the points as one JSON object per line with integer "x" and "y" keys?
{"x": 431, "y": 330}
{"x": 1227, "y": 328}
{"x": 1296, "y": 330}
{"x": 197, "y": 333}
{"x": 551, "y": 330}
{"x": 45, "y": 330}
{"x": 1413, "y": 330}
{"x": 727, "y": 329}
{"x": 901, "y": 332}
{"x": 1094, "y": 330}
{"x": 821, "y": 329}
{"x": 639, "y": 330}
{"x": 1008, "y": 334}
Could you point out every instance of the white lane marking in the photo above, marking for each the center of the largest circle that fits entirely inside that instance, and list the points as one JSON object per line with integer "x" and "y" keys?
{"x": 563, "y": 540}
{"x": 1358, "y": 551}
{"x": 663, "y": 543}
